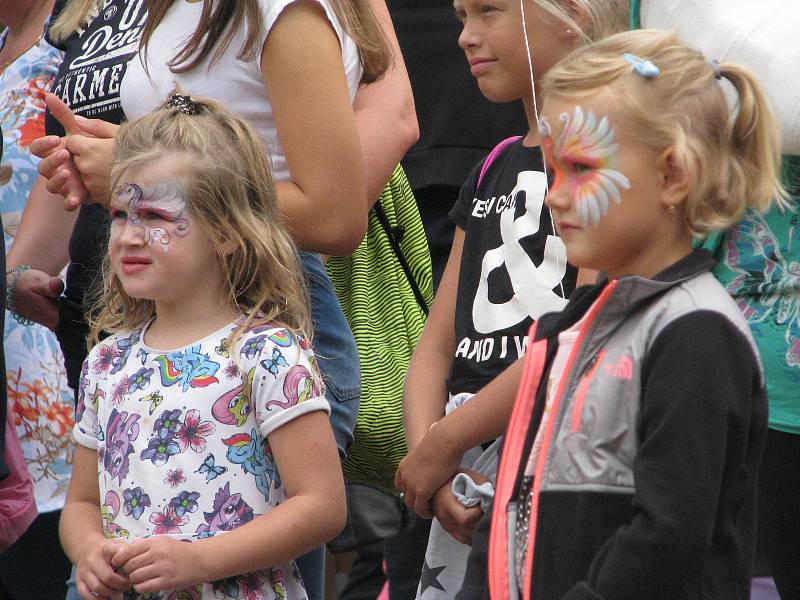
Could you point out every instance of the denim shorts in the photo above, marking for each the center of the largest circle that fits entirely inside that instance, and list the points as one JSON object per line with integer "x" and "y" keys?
{"x": 336, "y": 352}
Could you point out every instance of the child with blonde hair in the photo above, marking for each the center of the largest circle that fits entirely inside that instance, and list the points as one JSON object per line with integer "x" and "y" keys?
{"x": 506, "y": 268}
{"x": 630, "y": 463}
{"x": 194, "y": 412}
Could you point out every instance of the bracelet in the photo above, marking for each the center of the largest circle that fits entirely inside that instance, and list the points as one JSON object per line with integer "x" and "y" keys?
{"x": 12, "y": 276}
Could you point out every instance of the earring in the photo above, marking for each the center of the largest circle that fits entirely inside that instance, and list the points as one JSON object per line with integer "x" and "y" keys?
{"x": 672, "y": 209}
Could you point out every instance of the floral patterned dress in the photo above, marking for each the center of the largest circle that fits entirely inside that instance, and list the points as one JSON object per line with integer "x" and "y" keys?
{"x": 182, "y": 441}
{"x": 38, "y": 395}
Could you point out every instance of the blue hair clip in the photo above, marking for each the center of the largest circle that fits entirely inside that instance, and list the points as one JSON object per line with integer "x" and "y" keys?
{"x": 643, "y": 67}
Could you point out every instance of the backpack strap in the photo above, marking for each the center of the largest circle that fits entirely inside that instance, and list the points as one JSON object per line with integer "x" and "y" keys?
{"x": 395, "y": 234}
{"x": 494, "y": 154}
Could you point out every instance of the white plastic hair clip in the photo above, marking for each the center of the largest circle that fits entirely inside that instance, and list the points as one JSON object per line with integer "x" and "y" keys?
{"x": 643, "y": 67}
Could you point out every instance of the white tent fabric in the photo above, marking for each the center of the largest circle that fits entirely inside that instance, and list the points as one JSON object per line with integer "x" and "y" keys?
{"x": 763, "y": 35}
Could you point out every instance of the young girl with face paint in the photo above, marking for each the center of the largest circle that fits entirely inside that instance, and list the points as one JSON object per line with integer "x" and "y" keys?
{"x": 192, "y": 412}
{"x": 630, "y": 463}
{"x": 506, "y": 268}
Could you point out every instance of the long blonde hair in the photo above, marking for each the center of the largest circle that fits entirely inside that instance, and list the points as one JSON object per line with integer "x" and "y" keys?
{"x": 223, "y": 167}
{"x": 72, "y": 17}
{"x": 733, "y": 159}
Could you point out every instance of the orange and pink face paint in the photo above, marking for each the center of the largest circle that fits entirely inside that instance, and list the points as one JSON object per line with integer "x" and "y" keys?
{"x": 583, "y": 159}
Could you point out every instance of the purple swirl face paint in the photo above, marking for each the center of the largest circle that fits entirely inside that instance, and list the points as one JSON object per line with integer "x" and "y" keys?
{"x": 157, "y": 211}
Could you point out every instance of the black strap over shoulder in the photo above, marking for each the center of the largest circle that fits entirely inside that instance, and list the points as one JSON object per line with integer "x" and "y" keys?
{"x": 395, "y": 235}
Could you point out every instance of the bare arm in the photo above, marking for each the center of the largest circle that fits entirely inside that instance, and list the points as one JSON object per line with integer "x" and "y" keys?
{"x": 314, "y": 513}
{"x": 42, "y": 239}
{"x": 436, "y": 457}
{"x": 385, "y": 115}
{"x": 81, "y": 531}
{"x": 425, "y": 391}
{"x": 324, "y": 204}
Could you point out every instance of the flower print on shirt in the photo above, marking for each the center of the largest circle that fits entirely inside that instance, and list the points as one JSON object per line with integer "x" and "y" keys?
{"x": 102, "y": 363}
{"x": 163, "y": 441}
{"x": 765, "y": 284}
{"x": 120, "y": 391}
{"x": 159, "y": 450}
{"x": 184, "y": 502}
{"x": 140, "y": 380}
{"x": 167, "y": 522}
{"x": 135, "y": 502}
{"x": 253, "y": 347}
{"x": 192, "y": 432}
{"x": 195, "y": 593}
{"x": 185, "y": 481}
{"x": 175, "y": 477}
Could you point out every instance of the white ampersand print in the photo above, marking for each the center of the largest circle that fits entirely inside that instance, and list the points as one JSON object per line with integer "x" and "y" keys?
{"x": 533, "y": 286}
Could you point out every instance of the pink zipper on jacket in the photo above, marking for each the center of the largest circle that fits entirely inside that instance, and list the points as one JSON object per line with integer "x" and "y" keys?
{"x": 499, "y": 569}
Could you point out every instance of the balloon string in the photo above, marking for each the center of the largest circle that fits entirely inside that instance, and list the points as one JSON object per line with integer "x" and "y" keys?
{"x": 536, "y": 117}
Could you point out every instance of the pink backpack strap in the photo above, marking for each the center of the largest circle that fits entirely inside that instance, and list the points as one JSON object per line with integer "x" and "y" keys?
{"x": 494, "y": 154}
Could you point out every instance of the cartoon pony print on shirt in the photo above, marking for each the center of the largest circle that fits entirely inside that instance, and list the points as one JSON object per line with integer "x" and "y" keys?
{"x": 233, "y": 407}
{"x": 230, "y": 511}
{"x": 108, "y": 512}
{"x": 255, "y": 457}
{"x": 189, "y": 368}
{"x": 298, "y": 386}
{"x": 121, "y": 431}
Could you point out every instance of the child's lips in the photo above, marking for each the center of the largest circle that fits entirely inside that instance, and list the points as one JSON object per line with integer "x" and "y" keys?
{"x": 479, "y": 65}
{"x": 565, "y": 226}
{"x": 134, "y": 264}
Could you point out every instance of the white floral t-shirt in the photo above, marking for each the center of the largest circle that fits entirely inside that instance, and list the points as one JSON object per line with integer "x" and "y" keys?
{"x": 182, "y": 439}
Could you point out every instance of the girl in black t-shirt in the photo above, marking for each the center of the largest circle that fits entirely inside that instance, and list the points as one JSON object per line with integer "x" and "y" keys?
{"x": 506, "y": 268}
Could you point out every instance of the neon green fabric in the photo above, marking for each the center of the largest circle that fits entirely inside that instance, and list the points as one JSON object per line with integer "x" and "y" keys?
{"x": 386, "y": 321}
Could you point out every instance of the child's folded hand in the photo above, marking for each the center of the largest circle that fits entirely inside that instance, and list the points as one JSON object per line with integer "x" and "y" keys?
{"x": 425, "y": 469}
{"x": 159, "y": 563}
{"x": 95, "y": 574}
{"x": 458, "y": 520}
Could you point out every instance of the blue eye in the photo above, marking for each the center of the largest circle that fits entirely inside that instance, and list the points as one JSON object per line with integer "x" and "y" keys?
{"x": 117, "y": 214}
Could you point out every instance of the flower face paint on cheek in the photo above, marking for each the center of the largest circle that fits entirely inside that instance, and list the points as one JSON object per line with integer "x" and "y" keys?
{"x": 583, "y": 158}
{"x": 156, "y": 212}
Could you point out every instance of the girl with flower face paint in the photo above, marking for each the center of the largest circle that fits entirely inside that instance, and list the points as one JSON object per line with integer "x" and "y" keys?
{"x": 638, "y": 427}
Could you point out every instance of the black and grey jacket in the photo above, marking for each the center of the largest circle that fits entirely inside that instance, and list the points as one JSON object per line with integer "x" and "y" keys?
{"x": 645, "y": 483}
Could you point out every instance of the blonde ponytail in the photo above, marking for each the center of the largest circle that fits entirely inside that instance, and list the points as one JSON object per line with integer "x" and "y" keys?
{"x": 755, "y": 139}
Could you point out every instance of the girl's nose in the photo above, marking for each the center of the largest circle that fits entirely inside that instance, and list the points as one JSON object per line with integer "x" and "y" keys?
{"x": 131, "y": 233}
{"x": 468, "y": 38}
{"x": 557, "y": 197}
